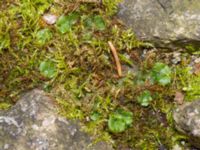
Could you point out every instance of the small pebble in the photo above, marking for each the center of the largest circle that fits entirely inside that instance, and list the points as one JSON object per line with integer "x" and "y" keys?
{"x": 50, "y": 19}
{"x": 6, "y": 146}
{"x": 197, "y": 60}
{"x": 176, "y": 57}
{"x": 177, "y": 147}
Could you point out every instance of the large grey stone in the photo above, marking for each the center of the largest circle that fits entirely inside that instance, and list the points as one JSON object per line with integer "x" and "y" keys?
{"x": 33, "y": 124}
{"x": 187, "y": 121}
{"x": 166, "y": 23}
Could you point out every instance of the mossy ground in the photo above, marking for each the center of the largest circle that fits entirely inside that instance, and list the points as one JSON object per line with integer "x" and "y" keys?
{"x": 86, "y": 81}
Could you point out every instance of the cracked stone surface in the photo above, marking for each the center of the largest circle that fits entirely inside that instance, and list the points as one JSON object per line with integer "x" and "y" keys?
{"x": 187, "y": 121}
{"x": 33, "y": 124}
{"x": 166, "y": 23}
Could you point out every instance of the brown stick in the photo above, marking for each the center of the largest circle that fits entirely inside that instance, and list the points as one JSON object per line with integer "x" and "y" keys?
{"x": 114, "y": 52}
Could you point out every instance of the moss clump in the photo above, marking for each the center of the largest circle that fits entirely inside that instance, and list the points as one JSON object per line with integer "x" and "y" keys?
{"x": 188, "y": 82}
{"x": 4, "y": 106}
{"x": 86, "y": 85}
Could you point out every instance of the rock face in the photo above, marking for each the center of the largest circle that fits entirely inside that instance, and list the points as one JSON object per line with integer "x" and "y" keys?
{"x": 33, "y": 124}
{"x": 187, "y": 121}
{"x": 166, "y": 23}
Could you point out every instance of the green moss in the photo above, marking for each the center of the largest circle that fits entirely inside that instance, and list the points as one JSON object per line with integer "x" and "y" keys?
{"x": 111, "y": 6}
{"x": 85, "y": 80}
{"x": 192, "y": 49}
{"x": 5, "y": 106}
{"x": 188, "y": 82}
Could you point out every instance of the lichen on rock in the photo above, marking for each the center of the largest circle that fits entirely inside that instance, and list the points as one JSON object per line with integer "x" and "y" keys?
{"x": 166, "y": 23}
{"x": 33, "y": 123}
{"x": 187, "y": 121}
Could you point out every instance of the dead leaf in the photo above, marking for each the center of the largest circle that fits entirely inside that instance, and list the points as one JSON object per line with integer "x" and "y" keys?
{"x": 135, "y": 56}
{"x": 179, "y": 97}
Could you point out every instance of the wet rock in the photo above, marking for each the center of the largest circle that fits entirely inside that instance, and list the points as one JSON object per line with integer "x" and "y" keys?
{"x": 33, "y": 124}
{"x": 187, "y": 121}
{"x": 166, "y": 23}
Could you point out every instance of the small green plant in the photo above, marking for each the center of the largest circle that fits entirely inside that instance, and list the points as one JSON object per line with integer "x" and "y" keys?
{"x": 43, "y": 36}
{"x": 95, "y": 116}
{"x": 65, "y": 23}
{"x": 94, "y": 22}
{"x": 120, "y": 120}
{"x": 161, "y": 74}
{"x": 99, "y": 23}
{"x": 144, "y": 98}
{"x": 48, "y": 69}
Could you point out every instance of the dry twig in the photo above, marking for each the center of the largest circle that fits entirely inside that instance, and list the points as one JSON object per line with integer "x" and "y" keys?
{"x": 114, "y": 52}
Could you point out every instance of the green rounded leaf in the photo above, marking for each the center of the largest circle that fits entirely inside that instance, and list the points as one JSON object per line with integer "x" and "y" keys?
{"x": 161, "y": 74}
{"x": 48, "y": 69}
{"x": 95, "y": 116}
{"x": 99, "y": 23}
{"x": 126, "y": 116}
{"x": 145, "y": 98}
{"x": 116, "y": 125}
{"x": 95, "y": 22}
{"x": 43, "y": 36}
{"x": 120, "y": 120}
{"x": 65, "y": 23}
{"x": 88, "y": 22}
